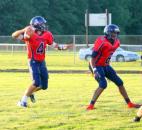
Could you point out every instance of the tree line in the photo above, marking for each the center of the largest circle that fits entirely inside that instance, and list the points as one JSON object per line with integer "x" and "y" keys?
{"x": 65, "y": 17}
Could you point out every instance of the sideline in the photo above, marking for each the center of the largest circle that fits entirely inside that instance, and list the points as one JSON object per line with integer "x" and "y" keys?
{"x": 71, "y": 71}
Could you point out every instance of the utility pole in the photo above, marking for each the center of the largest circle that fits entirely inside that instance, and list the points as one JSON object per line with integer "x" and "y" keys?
{"x": 107, "y": 17}
{"x": 87, "y": 27}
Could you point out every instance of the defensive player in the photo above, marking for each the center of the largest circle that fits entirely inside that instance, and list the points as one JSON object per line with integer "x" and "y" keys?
{"x": 104, "y": 47}
{"x": 37, "y": 37}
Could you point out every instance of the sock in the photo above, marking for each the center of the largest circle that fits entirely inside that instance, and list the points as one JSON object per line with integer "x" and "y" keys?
{"x": 127, "y": 100}
{"x": 24, "y": 99}
{"x": 92, "y": 102}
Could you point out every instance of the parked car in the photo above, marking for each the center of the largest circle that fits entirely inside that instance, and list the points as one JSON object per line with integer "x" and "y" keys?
{"x": 120, "y": 55}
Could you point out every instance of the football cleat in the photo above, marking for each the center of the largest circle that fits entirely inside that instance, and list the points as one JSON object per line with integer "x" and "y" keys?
{"x": 22, "y": 104}
{"x": 32, "y": 97}
{"x": 90, "y": 107}
{"x": 132, "y": 105}
{"x": 137, "y": 119}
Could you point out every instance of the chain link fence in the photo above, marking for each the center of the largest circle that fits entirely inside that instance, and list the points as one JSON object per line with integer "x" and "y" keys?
{"x": 129, "y": 43}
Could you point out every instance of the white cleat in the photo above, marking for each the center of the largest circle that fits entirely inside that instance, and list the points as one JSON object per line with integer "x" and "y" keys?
{"x": 22, "y": 104}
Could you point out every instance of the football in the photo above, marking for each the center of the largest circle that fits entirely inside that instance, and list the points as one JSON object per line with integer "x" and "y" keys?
{"x": 29, "y": 31}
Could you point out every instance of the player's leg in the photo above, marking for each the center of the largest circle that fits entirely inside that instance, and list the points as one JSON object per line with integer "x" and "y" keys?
{"x": 139, "y": 115}
{"x": 32, "y": 96}
{"x": 44, "y": 80}
{"x": 112, "y": 75}
{"x": 96, "y": 95}
{"x": 34, "y": 70}
{"x": 100, "y": 77}
{"x": 44, "y": 76}
{"x": 28, "y": 93}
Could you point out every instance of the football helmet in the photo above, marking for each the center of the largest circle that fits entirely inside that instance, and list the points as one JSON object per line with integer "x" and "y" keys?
{"x": 111, "y": 32}
{"x": 39, "y": 23}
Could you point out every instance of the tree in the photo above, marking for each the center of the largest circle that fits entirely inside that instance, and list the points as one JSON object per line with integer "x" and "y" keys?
{"x": 67, "y": 16}
{"x": 134, "y": 25}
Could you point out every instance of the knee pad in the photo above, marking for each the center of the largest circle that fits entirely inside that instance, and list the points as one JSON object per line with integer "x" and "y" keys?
{"x": 101, "y": 80}
{"x": 36, "y": 83}
{"x": 119, "y": 82}
{"x": 103, "y": 84}
{"x": 44, "y": 87}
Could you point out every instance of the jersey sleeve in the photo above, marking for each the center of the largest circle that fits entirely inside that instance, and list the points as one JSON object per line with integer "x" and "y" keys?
{"x": 50, "y": 38}
{"x": 98, "y": 44}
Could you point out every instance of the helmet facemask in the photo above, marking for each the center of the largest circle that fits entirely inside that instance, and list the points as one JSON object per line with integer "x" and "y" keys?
{"x": 40, "y": 27}
{"x": 39, "y": 23}
{"x": 112, "y": 36}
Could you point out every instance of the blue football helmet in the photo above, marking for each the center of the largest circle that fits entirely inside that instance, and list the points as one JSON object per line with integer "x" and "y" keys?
{"x": 111, "y": 32}
{"x": 39, "y": 23}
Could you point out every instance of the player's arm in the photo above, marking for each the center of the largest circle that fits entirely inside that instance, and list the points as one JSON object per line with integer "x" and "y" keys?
{"x": 24, "y": 33}
{"x": 94, "y": 55}
{"x": 57, "y": 46}
{"x": 61, "y": 46}
{"x": 19, "y": 34}
{"x": 96, "y": 48}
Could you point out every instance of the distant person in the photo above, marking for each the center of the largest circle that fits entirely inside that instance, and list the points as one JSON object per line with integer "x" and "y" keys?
{"x": 37, "y": 37}
{"x": 104, "y": 47}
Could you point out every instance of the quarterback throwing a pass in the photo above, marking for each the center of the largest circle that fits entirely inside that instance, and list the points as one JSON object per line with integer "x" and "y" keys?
{"x": 103, "y": 49}
{"x": 37, "y": 37}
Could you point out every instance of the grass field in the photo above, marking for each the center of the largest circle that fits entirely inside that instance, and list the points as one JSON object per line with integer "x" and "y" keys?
{"x": 59, "y": 61}
{"x": 63, "y": 105}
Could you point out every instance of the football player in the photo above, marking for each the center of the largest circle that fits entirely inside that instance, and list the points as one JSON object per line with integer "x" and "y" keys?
{"x": 37, "y": 37}
{"x": 103, "y": 49}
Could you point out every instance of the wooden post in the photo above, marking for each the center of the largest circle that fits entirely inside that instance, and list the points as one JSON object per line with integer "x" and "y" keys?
{"x": 107, "y": 16}
{"x": 86, "y": 25}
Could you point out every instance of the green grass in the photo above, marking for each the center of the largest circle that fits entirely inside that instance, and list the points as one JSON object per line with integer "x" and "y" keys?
{"x": 59, "y": 61}
{"x": 63, "y": 105}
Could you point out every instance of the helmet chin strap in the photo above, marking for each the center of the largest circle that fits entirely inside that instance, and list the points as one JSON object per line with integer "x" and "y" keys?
{"x": 40, "y": 28}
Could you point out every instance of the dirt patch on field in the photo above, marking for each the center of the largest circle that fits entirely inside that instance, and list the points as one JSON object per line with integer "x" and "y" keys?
{"x": 70, "y": 71}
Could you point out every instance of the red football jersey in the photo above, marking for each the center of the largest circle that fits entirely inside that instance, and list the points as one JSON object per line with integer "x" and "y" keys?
{"x": 105, "y": 50}
{"x": 36, "y": 45}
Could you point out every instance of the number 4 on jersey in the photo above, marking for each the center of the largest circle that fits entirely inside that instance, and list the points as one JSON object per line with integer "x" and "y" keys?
{"x": 108, "y": 59}
{"x": 40, "y": 49}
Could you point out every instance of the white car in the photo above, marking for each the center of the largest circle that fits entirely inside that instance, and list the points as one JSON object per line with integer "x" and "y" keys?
{"x": 120, "y": 55}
